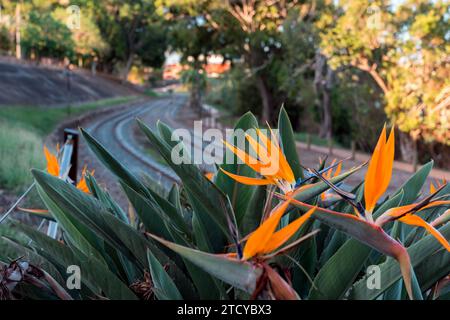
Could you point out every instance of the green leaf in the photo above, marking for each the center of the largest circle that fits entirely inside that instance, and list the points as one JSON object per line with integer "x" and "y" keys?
{"x": 112, "y": 163}
{"x": 208, "y": 287}
{"x": 334, "y": 287}
{"x": 163, "y": 285}
{"x": 320, "y": 187}
{"x": 288, "y": 143}
{"x": 8, "y": 245}
{"x": 239, "y": 194}
{"x": 337, "y": 275}
{"x": 94, "y": 275}
{"x": 252, "y": 218}
{"x": 239, "y": 274}
{"x": 433, "y": 269}
{"x": 72, "y": 228}
{"x": 204, "y": 194}
{"x": 419, "y": 252}
{"x": 412, "y": 187}
{"x": 111, "y": 229}
{"x": 88, "y": 210}
{"x": 153, "y": 217}
{"x": 395, "y": 292}
{"x": 105, "y": 198}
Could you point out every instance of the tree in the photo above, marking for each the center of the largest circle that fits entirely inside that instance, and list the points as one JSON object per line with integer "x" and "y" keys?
{"x": 45, "y": 36}
{"x": 87, "y": 39}
{"x": 405, "y": 50}
{"x": 133, "y": 31}
{"x": 191, "y": 34}
{"x": 259, "y": 27}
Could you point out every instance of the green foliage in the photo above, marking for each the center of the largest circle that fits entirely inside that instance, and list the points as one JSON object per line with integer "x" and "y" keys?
{"x": 23, "y": 130}
{"x": 46, "y": 36}
{"x": 5, "y": 41}
{"x": 179, "y": 247}
{"x": 133, "y": 32}
{"x": 397, "y": 47}
{"x": 44, "y": 120}
{"x": 17, "y": 139}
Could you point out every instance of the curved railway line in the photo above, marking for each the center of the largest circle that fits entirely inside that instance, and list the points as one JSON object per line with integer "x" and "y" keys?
{"x": 116, "y": 131}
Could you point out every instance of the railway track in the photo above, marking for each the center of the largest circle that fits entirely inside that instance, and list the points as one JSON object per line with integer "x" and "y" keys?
{"x": 116, "y": 132}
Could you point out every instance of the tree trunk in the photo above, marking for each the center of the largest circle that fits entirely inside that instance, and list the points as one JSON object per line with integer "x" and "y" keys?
{"x": 195, "y": 98}
{"x": 267, "y": 100}
{"x": 127, "y": 68}
{"x": 408, "y": 147}
{"x": 323, "y": 80}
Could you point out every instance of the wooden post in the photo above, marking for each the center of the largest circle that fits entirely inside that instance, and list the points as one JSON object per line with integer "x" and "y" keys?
{"x": 73, "y": 136}
{"x": 308, "y": 141}
{"x": 18, "y": 38}
{"x": 353, "y": 150}
{"x": 415, "y": 155}
{"x": 415, "y": 162}
{"x": 69, "y": 160}
{"x": 330, "y": 146}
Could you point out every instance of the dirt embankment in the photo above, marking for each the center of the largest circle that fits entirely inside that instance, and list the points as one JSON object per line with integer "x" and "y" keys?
{"x": 28, "y": 84}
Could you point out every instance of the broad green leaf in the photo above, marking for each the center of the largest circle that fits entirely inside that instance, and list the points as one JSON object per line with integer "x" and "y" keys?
{"x": 341, "y": 270}
{"x": 433, "y": 269}
{"x": 239, "y": 274}
{"x": 395, "y": 292}
{"x": 163, "y": 285}
{"x": 151, "y": 216}
{"x": 72, "y": 229}
{"x": 419, "y": 252}
{"x": 8, "y": 245}
{"x": 94, "y": 275}
{"x": 412, "y": 187}
{"x": 288, "y": 143}
{"x": 114, "y": 231}
{"x": 110, "y": 162}
{"x": 174, "y": 198}
{"x": 252, "y": 218}
{"x": 203, "y": 192}
{"x": 208, "y": 287}
{"x": 105, "y": 198}
{"x": 88, "y": 211}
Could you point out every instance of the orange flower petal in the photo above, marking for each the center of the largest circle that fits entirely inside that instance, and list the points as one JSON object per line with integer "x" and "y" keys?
{"x": 399, "y": 211}
{"x": 248, "y": 180}
{"x": 338, "y": 170}
{"x": 283, "y": 235}
{"x": 260, "y": 150}
{"x": 435, "y": 204}
{"x": 432, "y": 188}
{"x": 276, "y": 156}
{"x": 209, "y": 175}
{"x": 328, "y": 174}
{"x": 257, "y": 241}
{"x": 388, "y": 161}
{"x": 245, "y": 157}
{"x": 379, "y": 172}
{"x": 52, "y": 163}
{"x": 37, "y": 211}
{"x": 419, "y": 222}
{"x": 81, "y": 185}
{"x": 286, "y": 170}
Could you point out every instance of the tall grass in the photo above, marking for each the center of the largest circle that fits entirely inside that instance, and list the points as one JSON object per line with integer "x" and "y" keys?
{"x": 44, "y": 120}
{"x": 20, "y": 150}
{"x": 22, "y": 131}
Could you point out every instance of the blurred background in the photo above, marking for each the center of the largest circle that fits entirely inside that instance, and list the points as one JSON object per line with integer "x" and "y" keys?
{"x": 341, "y": 68}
